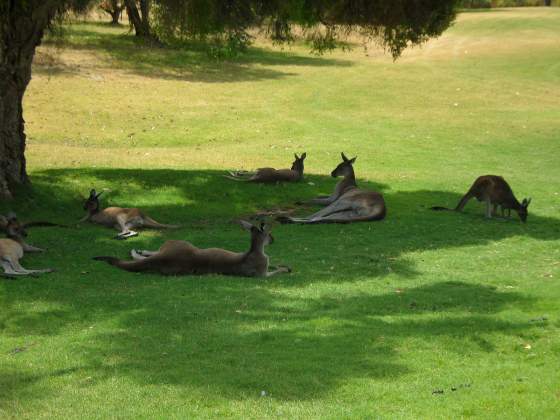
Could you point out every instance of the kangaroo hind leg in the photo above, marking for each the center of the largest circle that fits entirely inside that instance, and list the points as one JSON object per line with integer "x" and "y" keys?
{"x": 488, "y": 208}
{"x": 13, "y": 268}
{"x": 21, "y": 269}
{"x": 9, "y": 270}
{"x": 278, "y": 270}
{"x": 140, "y": 254}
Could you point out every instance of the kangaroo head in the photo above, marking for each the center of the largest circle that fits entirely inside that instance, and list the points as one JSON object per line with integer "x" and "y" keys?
{"x": 259, "y": 235}
{"x": 522, "y": 212}
{"x": 345, "y": 167}
{"x": 92, "y": 203}
{"x": 298, "y": 163}
{"x": 14, "y": 229}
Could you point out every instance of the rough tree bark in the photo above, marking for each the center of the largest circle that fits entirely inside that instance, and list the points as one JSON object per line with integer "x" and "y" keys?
{"x": 113, "y": 8}
{"x": 139, "y": 19}
{"x": 21, "y": 29}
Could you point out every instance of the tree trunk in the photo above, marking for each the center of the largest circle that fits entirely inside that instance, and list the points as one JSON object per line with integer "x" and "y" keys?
{"x": 140, "y": 22}
{"x": 112, "y": 8}
{"x": 21, "y": 29}
{"x": 115, "y": 15}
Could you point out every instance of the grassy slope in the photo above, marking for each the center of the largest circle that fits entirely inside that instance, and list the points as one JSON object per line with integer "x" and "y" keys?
{"x": 375, "y": 316}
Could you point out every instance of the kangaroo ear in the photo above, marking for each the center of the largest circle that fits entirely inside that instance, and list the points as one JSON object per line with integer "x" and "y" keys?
{"x": 344, "y": 158}
{"x": 98, "y": 194}
{"x": 92, "y": 193}
{"x": 296, "y": 156}
{"x": 262, "y": 227}
{"x": 353, "y": 159}
{"x": 527, "y": 201}
{"x": 246, "y": 225}
{"x": 11, "y": 216}
{"x": 304, "y": 155}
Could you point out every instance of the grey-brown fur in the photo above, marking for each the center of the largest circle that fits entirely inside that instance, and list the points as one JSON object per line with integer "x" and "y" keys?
{"x": 495, "y": 192}
{"x": 183, "y": 258}
{"x": 122, "y": 219}
{"x": 14, "y": 246}
{"x": 348, "y": 203}
{"x": 271, "y": 175}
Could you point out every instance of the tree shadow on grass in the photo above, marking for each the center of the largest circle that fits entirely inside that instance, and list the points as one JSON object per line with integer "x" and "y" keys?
{"x": 237, "y": 337}
{"x": 187, "y": 62}
{"x": 207, "y": 206}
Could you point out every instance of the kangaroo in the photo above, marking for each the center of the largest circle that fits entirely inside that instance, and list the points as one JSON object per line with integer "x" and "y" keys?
{"x": 346, "y": 183}
{"x": 182, "y": 257}
{"x": 13, "y": 248}
{"x": 122, "y": 219}
{"x": 271, "y": 175}
{"x": 348, "y": 203}
{"x": 494, "y": 191}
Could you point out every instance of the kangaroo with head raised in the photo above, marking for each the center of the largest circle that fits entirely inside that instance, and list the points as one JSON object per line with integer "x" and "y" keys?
{"x": 14, "y": 246}
{"x": 495, "y": 192}
{"x": 271, "y": 175}
{"x": 182, "y": 257}
{"x": 122, "y": 219}
{"x": 348, "y": 203}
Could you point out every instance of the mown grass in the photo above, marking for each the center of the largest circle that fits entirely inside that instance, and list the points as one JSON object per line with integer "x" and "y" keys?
{"x": 375, "y": 317}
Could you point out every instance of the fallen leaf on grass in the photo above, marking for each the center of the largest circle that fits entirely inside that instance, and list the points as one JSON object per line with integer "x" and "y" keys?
{"x": 539, "y": 319}
{"x": 21, "y": 349}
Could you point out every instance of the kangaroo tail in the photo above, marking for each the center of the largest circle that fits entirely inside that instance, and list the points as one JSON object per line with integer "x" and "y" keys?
{"x": 110, "y": 260}
{"x": 139, "y": 265}
{"x": 42, "y": 224}
{"x": 284, "y": 219}
{"x": 151, "y": 223}
{"x": 439, "y": 208}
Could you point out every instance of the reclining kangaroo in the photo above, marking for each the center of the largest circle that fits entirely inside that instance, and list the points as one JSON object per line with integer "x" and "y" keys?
{"x": 270, "y": 175}
{"x": 122, "y": 219}
{"x": 347, "y": 204}
{"x": 181, "y": 257}
{"x": 13, "y": 247}
{"x": 495, "y": 191}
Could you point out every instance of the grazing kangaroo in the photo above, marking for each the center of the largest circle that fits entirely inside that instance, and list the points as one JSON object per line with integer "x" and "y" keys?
{"x": 494, "y": 191}
{"x": 182, "y": 257}
{"x": 270, "y": 175}
{"x": 122, "y": 219}
{"x": 13, "y": 248}
{"x": 348, "y": 203}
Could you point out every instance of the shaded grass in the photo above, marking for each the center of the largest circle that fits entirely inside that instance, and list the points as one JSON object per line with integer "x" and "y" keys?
{"x": 375, "y": 317}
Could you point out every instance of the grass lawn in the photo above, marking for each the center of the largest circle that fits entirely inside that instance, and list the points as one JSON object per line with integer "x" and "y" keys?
{"x": 375, "y": 317}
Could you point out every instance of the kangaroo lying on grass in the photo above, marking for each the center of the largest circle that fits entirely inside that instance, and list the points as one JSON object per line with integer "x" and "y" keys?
{"x": 122, "y": 219}
{"x": 182, "y": 257}
{"x": 13, "y": 247}
{"x": 270, "y": 175}
{"x": 347, "y": 204}
{"x": 494, "y": 191}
